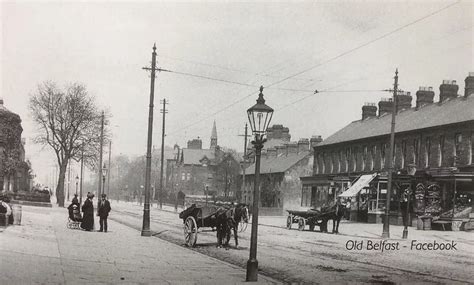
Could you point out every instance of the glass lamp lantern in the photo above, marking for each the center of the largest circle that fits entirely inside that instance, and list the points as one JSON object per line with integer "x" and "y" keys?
{"x": 260, "y": 116}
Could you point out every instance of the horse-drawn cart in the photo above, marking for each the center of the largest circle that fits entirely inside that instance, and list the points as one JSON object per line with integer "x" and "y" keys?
{"x": 313, "y": 217}
{"x": 302, "y": 218}
{"x": 196, "y": 217}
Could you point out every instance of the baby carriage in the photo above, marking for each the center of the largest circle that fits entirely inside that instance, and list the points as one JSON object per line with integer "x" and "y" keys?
{"x": 75, "y": 218}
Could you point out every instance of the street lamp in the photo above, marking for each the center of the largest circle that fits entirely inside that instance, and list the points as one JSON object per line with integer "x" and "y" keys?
{"x": 260, "y": 116}
{"x": 104, "y": 174}
{"x": 77, "y": 182}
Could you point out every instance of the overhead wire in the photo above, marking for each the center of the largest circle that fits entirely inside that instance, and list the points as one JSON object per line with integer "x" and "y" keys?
{"x": 385, "y": 35}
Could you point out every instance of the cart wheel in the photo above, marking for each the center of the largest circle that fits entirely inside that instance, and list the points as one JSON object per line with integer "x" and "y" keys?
{"x": 301, "y": 224}
{"x": 190, "y": 231}
{"x": 289, "y": 222}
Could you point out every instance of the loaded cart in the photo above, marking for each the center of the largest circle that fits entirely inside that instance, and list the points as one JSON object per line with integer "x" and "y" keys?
{"x": 310, "y": 217}
{"x": 196, "y": 217}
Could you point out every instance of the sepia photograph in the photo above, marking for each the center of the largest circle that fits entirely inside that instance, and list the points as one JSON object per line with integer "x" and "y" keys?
{"x": 233, "y": 142}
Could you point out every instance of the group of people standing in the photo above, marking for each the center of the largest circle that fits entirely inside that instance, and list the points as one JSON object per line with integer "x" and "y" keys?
{"x": 103, "y": 209}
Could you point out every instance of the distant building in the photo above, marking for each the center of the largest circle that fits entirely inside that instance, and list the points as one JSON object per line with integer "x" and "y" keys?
{"x": 14, "y": 171}
{"x": 282, "y": 164}
{"x": 195, "y": 171}
{"x": 434, "y": 138}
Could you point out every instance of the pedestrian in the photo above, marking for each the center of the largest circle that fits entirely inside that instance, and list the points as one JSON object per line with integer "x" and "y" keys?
{"x": 103, "y": 212}
{"x": 88, "y": 211}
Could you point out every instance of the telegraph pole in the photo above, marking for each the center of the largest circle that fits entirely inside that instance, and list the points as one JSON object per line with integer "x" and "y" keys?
{"x": 386, "y": 222}
{"x": 146, "y": 209}
{"x": 108, "y": 172}
{"x": 163, "y": 111}
{"x": 82, "y": 174}
{"x": 68, "y": 178}
{"x": 245, "y": 159}
{"x": 99, "y": 189}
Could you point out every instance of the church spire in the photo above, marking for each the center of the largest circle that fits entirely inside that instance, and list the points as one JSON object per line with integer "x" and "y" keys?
{"x": 214, "y": 136}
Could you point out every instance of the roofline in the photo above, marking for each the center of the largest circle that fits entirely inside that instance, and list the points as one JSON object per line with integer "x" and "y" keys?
{"x": 388, "y": 134}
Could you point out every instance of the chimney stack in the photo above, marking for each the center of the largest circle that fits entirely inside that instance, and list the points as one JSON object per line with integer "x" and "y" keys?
{"x": 448, "y": 89}
{"x": 385, "y": 106}
{"x": 291, "y": 148}
{"x": 404, "y": 101}
{"x": 469, "y": 85}
{"x": 281, "y": 150}
{"x": 369, "y": 110}
{"x": 195, "y": 144}
{"x": 271, "y": 152}
{"x": 314, "y": 141}
{"x": 424, "y": 96}
{"x": 303, "y": 145}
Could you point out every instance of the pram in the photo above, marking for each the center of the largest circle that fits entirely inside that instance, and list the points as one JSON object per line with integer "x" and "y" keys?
{"x": 75, "y": 218}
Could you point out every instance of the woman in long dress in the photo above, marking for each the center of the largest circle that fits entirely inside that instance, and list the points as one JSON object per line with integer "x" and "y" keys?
{"x": 88, "y": 211}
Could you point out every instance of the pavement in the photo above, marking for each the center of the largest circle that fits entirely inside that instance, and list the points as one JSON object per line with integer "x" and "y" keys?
{"x": 42, "y": 250}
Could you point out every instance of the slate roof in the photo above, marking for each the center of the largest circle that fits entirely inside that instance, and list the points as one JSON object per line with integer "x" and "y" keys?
{"x": 193, "y": 156}
{"x": 456, "y": 110}
{"x": 277, "y": 164}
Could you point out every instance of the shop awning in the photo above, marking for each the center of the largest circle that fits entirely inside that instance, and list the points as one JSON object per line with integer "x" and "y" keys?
{"x": 362, "y": 182}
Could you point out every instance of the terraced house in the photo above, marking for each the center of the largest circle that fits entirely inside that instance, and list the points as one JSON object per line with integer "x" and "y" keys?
{"x": 433, "y": 157}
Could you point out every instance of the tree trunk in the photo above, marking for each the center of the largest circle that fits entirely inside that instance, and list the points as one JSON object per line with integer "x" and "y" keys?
{"x": 60, "y": 186}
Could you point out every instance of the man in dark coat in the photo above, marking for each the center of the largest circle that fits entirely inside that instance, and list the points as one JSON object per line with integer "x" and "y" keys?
{"x": 103, "y": 212}
{"x": 88, "y": 210}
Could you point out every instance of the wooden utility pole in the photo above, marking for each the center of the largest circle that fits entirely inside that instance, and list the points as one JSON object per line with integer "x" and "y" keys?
{"x": 82, "y": 173}
{"x": 163, "y": 111}
{"x": 100, "y": 156}
{"x": 386, "y": 222}
{"x": 245, "y": 135}
{"x": 108, "y": 173}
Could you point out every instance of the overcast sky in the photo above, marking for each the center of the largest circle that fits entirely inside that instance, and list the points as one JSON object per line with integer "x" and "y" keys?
{"x": 302, "y": 46}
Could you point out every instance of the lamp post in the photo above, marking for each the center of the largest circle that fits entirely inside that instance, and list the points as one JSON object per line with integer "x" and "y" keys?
{"x": 104, "y": 174}
{"x": 259, "y": 116}
{"x": 77, "y": 182}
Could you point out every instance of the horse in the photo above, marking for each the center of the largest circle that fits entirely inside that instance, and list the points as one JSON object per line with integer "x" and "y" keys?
{"x": 334, "y": 213}
{"x": 228, "y": 221}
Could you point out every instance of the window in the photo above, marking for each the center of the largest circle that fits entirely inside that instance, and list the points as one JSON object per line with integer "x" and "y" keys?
{"x": 471, "y": 142}
{"x": 441, "y": 150}
{"x": 331, "y": 164}
{"x": 324, "y": 163}
{"x": 364, "y": 157}
{"x": 416, "y": 149}
{"x": 404, "y": 153}
{"x": 427, "y": 151}
{"x": 372, "y": 157}
{"x": 348, "y": 155}
{"x": 382, "y": 155}
{"x": 183, "y": 176}
{"x": 457, "y": 147}
{"x": 339, "y": 162}
{"x": 316, "y": 163}
{"x": 354, "y": 159}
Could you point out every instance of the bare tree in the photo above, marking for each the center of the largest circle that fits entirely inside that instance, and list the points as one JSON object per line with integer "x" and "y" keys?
{"x": 69, "y": 122}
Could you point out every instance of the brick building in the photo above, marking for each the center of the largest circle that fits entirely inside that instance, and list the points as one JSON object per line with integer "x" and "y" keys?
{"x": 194, "y": 170}
{"x": 435, "y": 138}
{"x": 282, "y": 164}
{"x": 14, "y": 171}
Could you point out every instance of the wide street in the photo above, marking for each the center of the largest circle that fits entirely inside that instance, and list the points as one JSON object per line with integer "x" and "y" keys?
{"x": 314, "y": 257}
